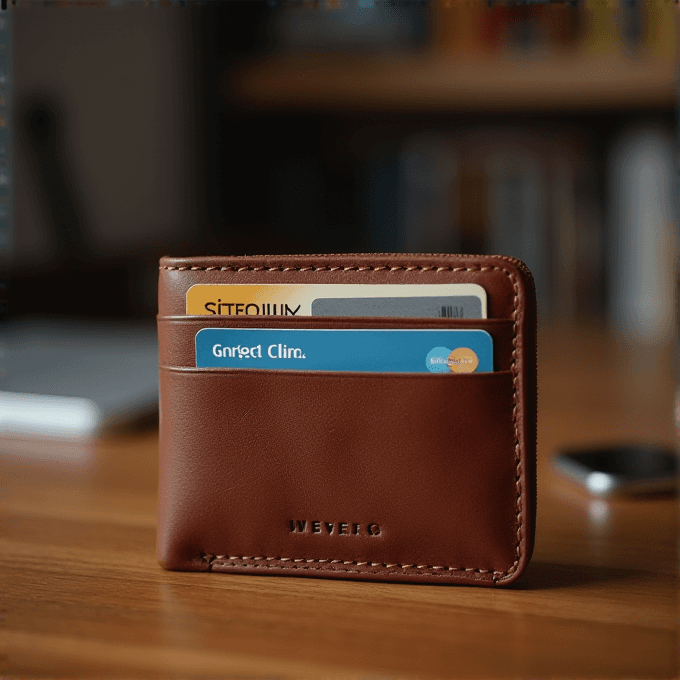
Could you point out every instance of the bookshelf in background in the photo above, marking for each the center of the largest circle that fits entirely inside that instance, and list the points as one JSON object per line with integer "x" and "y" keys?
{"x": 465, "y": 28}
{"x": 452, "y": 184}
{"x": 470, "y": 55}
{"x": 487, "y": 189}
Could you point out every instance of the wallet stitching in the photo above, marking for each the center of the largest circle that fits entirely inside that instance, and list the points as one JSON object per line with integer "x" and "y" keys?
{"x": 230, "y": 561}
{"x": 312, "y": 268}
{"x": 518, "y": 478}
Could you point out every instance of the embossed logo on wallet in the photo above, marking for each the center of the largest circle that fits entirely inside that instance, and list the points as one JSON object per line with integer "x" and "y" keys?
{"x": 303, "y": 526}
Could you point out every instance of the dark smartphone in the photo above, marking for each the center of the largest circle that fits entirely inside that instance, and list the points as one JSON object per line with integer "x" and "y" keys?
{"x": 618, "y": 470}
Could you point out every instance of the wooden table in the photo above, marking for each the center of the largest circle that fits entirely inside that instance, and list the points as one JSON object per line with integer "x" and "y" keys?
{"x": 83, "y": 596}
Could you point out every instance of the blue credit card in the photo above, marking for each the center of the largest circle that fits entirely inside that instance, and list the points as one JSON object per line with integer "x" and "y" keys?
{"x": 375, "y": 351}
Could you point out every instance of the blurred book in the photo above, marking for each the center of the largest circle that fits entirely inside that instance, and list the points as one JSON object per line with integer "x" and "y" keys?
{"x": 660, "y": 27}
{"x": 428, "y": 171}
{"x": 516, "y": 215}
{"x": 336, "y": 26}
{"x": 643, "y": 238}
{"x": 591, "y": 251}
{"x": 562, "y": 25}
{"x": 76, "y": 379}
{"x": 458, "y": 27}
{"x": 465, "y": 28}
{"x": 381, "y": 201}
{"x": 630, "y": 23}
{"x": 472, "y": 196}
{"x": 601, "y": 34}
{"x": 564, "y": 240}
{"x": 508, "y": 191}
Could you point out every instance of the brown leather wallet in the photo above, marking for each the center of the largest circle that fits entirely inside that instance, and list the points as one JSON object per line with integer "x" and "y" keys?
{"x": 378, "y": 476}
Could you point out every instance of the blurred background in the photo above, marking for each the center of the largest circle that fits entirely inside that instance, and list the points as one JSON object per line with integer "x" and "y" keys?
{"x": 544, "y": 131}
{"x": 131, "y": 130}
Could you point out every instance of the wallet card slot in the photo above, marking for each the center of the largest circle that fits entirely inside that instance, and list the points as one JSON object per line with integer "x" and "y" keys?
{"x": 345, "y": 475}
{"x": 506, "y": 280}
{"x": 177, "y": 334}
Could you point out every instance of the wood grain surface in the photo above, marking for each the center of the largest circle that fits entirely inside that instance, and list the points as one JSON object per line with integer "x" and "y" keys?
{"x": 83, "y": 596}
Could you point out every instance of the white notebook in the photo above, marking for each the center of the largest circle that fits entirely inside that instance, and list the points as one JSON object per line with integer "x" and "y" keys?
{"x": 74, "y": 379}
